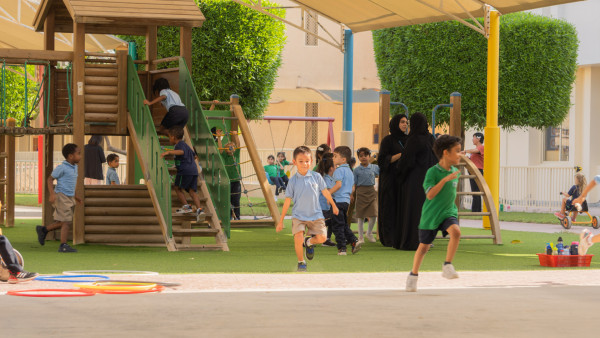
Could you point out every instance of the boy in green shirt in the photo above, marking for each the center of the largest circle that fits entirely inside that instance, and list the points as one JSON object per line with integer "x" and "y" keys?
{"x": 271, "y": 170}
{"x": 439, "y": 210}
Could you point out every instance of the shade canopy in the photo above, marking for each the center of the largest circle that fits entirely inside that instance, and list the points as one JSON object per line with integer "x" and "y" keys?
{"x": 16, "y": 17}
{"x": 365, "y": 15}
{"x": 126, "y": 17}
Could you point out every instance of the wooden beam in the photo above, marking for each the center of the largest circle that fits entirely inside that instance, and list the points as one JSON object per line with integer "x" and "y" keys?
{"x": 47, "y": 210}
{"x": 185, "y": 46}
{"x": 384, "y": 114}
{"x": 35, "y": 54}
{"x": 151, "y": 46}
{"x": 10, "y": 177}
{"x": 49, "y": 31}
{"x": 256, "y": 160}
{"x": 3, "y": 158}
{"x": 79, "y": 125}
{"x": 455, "y": 118}
{"x": 130, "y": 161}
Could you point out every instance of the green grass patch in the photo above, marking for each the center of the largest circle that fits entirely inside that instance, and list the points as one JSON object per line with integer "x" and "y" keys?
{"x": 259, "y": 207}
{"x": 525, "y": 217}
{"x": 29, "y": 200}
{"x": 265, "y": 251}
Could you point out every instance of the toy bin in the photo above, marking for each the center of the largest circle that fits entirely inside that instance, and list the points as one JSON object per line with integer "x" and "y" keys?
{"x": 564, "y": 261}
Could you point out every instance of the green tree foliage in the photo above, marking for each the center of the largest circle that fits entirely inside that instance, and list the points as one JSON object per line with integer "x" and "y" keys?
{"x": 236, "y": 51}
{"x": 421, "y": 65}
{"x": 12, "y": 89}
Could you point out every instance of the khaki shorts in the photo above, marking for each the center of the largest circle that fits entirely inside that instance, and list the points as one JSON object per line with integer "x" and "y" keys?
{"x": 63, "y": 207}
{"x": 316, "y": 227}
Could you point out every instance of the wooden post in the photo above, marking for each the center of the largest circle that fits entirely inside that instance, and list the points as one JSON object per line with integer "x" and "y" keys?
{"x": 185, "y": 46}
{"x": 130, "y": 160}
{"x": 256, "y": 161}
{"x": 49, "y": 45}
{"x": 122, "y": 89}
{"x": 79, "y": 125}
{"x": 384, "y": 114}
{"x": 47, "y": 210}
{"x": 455, "y": 119}
{"x": 151, "y": 54}
{"x": 3, "y": 159}
{"x": 10, "y": 176}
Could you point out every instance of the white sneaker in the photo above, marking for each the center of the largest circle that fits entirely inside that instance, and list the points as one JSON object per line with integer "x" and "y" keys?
{"x": 185, "y": 209}
{"x": 449, "y": 272}
{"x": 585, "y": 241}
{"x": 371, "y": 238}
{"x": 411, "y": 283}
{"x": 361, "y": 239}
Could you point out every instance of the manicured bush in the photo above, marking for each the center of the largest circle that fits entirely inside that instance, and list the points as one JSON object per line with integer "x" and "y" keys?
{"x": 14, "y": 86}
{"x": 422, "y": 64}
{"x": 236, "y": 51}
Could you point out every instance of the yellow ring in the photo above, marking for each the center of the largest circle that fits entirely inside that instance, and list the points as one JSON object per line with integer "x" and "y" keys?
{"x": 123, "y": 287}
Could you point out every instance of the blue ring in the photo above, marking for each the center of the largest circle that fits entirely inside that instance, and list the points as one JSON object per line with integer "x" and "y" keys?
{"x": 71, "y": 278}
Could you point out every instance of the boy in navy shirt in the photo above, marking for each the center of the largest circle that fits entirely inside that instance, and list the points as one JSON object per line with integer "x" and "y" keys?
{"x": 62, "y": 197}
{"x": 305, "y": 188}
{"x": 187, "y": 172}
{"x": 341, "y": 192}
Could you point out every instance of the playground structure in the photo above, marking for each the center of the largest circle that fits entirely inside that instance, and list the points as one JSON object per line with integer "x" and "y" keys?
{"x": 102, "y": 93}
{"x": 467, "y": 168}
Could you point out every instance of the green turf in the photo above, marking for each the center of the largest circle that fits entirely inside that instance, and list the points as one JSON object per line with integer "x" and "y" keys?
{"x": 265, "y": 251}
{"x": 27, "y": 200}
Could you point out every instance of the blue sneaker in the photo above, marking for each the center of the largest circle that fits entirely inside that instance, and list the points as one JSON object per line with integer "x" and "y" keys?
{"x": 310, "y": 250}
{"x": 302, "y": 267}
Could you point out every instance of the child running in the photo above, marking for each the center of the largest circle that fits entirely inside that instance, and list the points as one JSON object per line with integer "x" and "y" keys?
{"x": 586, "y": 239}
{"x": 366, "y": 196}
{"x": 439, "y": 210}
{"x": 567, "y": 202}
{"x": 62, "y": 197}
{"x": 177, "y": 114}
{"x": 16, "y": 274}
{"x": 111, "y": 173}
{"x": 187, "y": 171}
{"x": 344, "y": 181}
{"x": 303, "y": 189}
{"x": 326, "y": 169}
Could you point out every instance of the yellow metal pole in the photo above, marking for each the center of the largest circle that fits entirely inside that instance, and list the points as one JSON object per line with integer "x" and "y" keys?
{"x": 491, "y": 163}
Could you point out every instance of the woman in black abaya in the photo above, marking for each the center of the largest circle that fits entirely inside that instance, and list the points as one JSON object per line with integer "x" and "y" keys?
{"x": 390, "y": 150}
{"x": 417, "y": 158}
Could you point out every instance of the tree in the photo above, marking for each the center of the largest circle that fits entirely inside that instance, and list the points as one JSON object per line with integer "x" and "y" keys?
{"x": 12, "y": 92}
{"x": 422, "y": 64}
{"x": 236, "y": 51}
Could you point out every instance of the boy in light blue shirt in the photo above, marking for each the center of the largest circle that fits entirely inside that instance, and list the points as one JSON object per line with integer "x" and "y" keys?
{"x": 111, "y": 173}
{"x": 62, "y": 197}
{"x": 304, "y": 189}
{"x": 341, "y": 192}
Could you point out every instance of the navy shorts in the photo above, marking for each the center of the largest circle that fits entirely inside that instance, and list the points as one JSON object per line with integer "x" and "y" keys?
{"x": 187, "y": 182}
{"x": 427, "y": 236}
{"x": 176, "y": 116}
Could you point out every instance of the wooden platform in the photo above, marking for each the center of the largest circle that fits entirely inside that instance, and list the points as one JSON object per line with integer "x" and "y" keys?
{"x": 36, "y": 131}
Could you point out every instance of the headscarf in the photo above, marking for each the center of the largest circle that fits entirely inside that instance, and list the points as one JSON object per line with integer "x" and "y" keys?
{"x": 418, "y": 124}
{"x": 395, "y": 131}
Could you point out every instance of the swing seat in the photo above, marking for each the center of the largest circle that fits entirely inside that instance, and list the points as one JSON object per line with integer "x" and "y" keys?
{"x": 269, "y": 178}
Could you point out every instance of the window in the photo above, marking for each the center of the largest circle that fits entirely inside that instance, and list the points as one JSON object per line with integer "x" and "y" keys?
{"x": 311, "y": 25}
{"x": 556, "y": 142}
{"x": 311, "y": 128}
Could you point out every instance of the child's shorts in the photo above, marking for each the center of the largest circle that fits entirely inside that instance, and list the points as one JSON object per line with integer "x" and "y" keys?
{"x": 316, "y": 227}
{"x": 570, "y": 207}
{"x": 187, "y": 182}
{"x": 176, "y": 116}
{"x": 63, "y": 207}
{"x": 428, "y": 236}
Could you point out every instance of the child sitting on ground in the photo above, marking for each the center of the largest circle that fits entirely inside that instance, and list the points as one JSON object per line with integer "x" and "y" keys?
{"x": 62, "y": 197}
{"x": 16, "y": 274}
{"x": 271, "y": 170}
{"x": 344, "y": 181}
{"x": 177, "y": 114}
{"x": 586, "y": 239}
{"x": 439, "y": 210}
{"x": 187, "y": 171}
{"x": 303, "y": 189}
{"x": 366, "y": 195}
{"x": 567, "y": 202}
{"x": 326, "y": 169}
{"x": 111, "y": 173}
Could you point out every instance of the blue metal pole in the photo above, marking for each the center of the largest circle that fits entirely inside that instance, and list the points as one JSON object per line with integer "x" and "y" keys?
{"x": 348, "y": 73}
{"x": 449, "y": 105}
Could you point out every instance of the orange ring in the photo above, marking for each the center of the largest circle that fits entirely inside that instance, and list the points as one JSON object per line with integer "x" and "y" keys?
{"x": 57, "y": 293}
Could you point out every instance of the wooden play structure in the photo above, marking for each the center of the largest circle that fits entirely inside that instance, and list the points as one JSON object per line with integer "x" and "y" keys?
{"x": 101, "y": 93}
{"x": 466, "y": 166}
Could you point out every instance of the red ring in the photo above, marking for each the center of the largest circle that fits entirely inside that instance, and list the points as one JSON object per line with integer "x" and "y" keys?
{"x": 58, "y": 293}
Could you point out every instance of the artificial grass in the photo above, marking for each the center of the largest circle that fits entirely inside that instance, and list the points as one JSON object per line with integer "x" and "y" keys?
{"x": 29, "y": 200}
{"x": 265, "y": 251}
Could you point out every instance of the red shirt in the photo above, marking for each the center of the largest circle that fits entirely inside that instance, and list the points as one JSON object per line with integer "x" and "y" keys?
{"x": 478, "y": 158}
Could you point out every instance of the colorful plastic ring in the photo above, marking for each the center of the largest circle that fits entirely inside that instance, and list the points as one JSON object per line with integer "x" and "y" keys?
{"x": 158, "y": 288}
{"x": 165, "y": 284}
{"x": 51, "y": 293}
{"x": 117, "y": 286}
{"x": 120, "y": 272}
{"x": 71, "y": 278}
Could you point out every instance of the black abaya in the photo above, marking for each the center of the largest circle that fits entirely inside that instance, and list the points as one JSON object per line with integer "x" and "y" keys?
{"x": 388, "y": 171}
{"x": 416, "y": 159}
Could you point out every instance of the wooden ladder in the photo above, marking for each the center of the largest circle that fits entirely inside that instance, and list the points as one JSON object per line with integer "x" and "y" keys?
{"x": 486, "y": 196}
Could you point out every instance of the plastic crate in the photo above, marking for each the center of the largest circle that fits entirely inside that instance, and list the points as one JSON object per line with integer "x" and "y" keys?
{"x": 564, "y": 261}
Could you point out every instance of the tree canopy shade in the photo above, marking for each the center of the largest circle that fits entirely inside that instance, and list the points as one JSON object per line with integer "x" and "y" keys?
{"x": 13, "y": 93}
{"x": 421, "y": 65}
{"x": 236, "y": 51}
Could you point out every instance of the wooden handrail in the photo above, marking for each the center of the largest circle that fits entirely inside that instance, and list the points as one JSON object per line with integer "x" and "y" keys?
{"x": 169, "y": 59}
{"x": 216, "y": 103}
{"x": 104, "y": 55}
{"x": 33, "y": 54}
